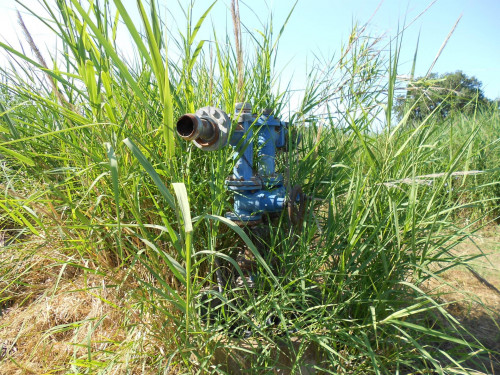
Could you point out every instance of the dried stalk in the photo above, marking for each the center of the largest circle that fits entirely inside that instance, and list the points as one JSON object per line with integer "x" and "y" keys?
{"x": 41, "y": 60}
{"x": 235, "y": 13}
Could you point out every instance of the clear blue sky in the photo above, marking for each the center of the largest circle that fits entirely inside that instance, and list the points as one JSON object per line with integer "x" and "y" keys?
{"x": 320, "y": 26}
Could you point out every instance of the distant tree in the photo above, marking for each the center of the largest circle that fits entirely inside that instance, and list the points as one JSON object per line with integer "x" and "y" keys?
{"x": 443, "y": 94}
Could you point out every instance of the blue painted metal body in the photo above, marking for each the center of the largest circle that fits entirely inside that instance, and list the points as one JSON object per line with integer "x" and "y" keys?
{"x": 256, "y": 192}
{"x": 266, "y": 142}
{"x": 249, "y": 206}
{"x": 242, "y": 143}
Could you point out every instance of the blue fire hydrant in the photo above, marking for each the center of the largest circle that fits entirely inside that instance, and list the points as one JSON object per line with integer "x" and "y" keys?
{"x": 255, "y": 190}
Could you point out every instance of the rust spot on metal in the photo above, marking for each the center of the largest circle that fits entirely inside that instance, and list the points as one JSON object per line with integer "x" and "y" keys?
{"x": 214, "y": 139}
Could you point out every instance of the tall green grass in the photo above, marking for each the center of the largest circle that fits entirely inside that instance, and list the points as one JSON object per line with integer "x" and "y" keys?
{"x": 94, "y": 157}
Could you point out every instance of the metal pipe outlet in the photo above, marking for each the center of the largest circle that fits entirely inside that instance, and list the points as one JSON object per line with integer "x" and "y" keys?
{"x": 191, "y": 127}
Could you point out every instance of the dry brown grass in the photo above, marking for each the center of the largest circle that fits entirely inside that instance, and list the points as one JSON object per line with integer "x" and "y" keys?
{"x": 46, "y": 333}
{"x": 59, "y": 318}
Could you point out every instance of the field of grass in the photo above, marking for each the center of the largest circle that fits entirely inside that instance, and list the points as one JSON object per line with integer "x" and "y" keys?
{"x": 107, "y": 267}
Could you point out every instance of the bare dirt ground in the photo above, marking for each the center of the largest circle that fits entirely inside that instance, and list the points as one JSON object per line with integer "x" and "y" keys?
{"x": 473, "y": 291}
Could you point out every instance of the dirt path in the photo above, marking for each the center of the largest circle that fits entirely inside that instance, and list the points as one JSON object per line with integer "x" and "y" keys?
{"x": 473, "y": 291}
